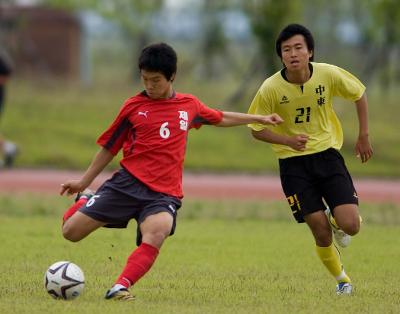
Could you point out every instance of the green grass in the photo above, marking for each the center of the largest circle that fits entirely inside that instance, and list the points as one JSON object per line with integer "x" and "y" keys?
{"x": 226, "y": 256}
{"x": 56, "y": 125}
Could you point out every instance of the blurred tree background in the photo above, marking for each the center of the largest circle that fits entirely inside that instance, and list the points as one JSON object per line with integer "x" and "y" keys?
{"x": 225, "y": 49}
{"x": 220, "y": 39}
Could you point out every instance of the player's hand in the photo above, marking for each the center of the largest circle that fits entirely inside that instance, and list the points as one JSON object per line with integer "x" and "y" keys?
{"x": 363, "y": 148}
{"x": 272, "y": 119}
{"x": 298, "y": 142}
{"x": 71, "y": 187}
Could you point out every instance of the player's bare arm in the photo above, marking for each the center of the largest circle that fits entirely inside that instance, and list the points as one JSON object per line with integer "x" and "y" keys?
{"x": 100, "y": 161}
{"x": 237, "y": 118}
{"x": 363, "y": 147}
{"x": 297, "y": 142}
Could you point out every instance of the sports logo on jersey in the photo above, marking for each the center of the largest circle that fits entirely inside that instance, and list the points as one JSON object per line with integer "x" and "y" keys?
{"x": 284, "y": 100}
{"x": 183, "y": 120}
{"x": 143, "y": 113}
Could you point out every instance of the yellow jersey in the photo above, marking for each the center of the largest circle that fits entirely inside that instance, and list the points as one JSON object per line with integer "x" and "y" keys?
{"x": 308, "y": 108}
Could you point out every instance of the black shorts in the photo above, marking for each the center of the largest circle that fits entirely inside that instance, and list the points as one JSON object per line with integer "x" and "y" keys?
{"x": 309, "y": 180}
{"x": 123, "y": 197}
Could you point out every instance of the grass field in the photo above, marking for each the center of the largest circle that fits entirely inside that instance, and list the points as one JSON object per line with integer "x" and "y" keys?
{"x": 226, "y": 257}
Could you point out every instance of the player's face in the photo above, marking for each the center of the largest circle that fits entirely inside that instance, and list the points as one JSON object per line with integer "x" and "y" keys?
{"x": 156, "y": 85}
{"x": 295, "y": 53}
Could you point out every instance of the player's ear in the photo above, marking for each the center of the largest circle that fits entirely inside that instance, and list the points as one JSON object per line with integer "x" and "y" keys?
{"x": 172, "y": 77}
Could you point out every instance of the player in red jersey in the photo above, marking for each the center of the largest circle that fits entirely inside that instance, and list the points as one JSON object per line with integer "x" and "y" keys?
{"x": 151, "y": 129}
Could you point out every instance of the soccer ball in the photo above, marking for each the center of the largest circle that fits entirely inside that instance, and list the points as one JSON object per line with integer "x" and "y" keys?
{"x": 64, "y": 280}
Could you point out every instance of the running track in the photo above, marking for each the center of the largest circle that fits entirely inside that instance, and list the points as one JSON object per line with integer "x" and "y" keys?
{"x": 208, "y": 186}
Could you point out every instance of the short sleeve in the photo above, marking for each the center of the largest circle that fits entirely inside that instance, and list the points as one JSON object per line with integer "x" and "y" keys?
{"x": 260, "y": 105}
{"x": 346, "y": 85}
{"x": 205, "y": 115}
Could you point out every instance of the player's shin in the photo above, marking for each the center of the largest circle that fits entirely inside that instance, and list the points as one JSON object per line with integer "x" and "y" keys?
{"x": 330, "y": 257}
{"x": 73, "y": 209}
{"x": 138, "y": 264}
{"x": 80, "y": 200}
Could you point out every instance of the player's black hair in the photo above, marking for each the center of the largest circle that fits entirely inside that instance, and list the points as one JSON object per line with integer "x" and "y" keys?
{"x": 292, "y": 30}
{"x": 159, "y": 57}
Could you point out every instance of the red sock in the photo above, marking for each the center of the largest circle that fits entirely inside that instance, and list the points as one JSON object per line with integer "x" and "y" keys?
{"x": 72, "y": 210}
{"x": 138, "y": 264}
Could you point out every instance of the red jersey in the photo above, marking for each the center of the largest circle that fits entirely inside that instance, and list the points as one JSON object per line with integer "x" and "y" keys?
{"x": 153, "y": 134}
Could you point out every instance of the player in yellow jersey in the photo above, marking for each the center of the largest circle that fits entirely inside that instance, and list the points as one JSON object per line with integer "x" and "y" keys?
{"x": 313, "y": 172}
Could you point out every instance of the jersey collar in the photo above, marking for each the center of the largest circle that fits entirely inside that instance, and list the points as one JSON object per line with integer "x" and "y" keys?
{"x": 283, "y": 72}
{"x": 143, "y": 93}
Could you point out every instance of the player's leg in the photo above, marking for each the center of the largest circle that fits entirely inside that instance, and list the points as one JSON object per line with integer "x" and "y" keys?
{"x": 303, "y": 191}
{"x": 78, "y": 226}
{"x": 306, "y": 204}
{"x": 80, "y": 200}
{"x": 10, "y": 151}
{"x": 154, "y": 230}
{"x": 341, "y": 238}
{"x": 327, "y": 251}
{"x": 347, "y": 218}
{"x": 341, "y": 196}
{"x": 155, "y": 214}
{"x": 92, "y": 211}
{"x": 319, "y": 227}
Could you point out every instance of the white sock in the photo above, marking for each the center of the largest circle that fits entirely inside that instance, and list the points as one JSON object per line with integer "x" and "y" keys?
{"x": 341, "y": 276}
{"x": 117, "y": 287}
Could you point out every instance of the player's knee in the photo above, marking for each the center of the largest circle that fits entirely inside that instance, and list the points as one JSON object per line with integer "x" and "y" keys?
{"x": 70, "y": 233}
{"x": 155, "y": 238}
{"x": 323, "y": 242}
{"x": 160, "y": 236}
{"x": 352, "y": 227}
{"x": 156, "y": 228}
